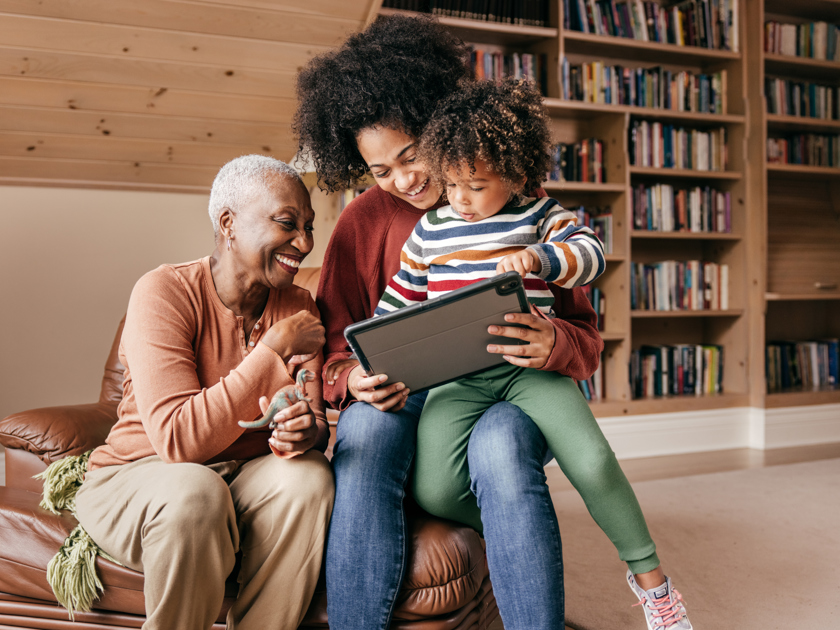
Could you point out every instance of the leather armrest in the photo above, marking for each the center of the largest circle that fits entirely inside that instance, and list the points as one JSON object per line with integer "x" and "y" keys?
{"x": 52, "y": 433}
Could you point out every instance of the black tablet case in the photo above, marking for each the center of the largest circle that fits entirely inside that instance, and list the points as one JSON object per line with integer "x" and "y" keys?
{"x": 442, "y": 339}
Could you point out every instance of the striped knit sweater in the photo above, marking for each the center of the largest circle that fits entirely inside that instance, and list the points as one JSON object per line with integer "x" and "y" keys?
{"x": 445, "y": 252}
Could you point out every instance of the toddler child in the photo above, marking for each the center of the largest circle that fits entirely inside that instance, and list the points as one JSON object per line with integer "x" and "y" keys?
{"x": 486, "y": 144}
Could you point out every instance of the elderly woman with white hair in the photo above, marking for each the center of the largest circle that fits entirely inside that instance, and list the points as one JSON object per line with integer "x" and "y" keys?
{"x": 180, "y": 487}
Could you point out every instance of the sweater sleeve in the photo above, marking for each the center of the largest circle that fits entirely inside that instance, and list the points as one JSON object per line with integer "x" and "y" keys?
{"x": 410, "y": 284}
{"x": 571, "y": 255}
{"x": 342, "y": 299}
{"x": 183, "y": 421}
{"x": 577, "y": 343}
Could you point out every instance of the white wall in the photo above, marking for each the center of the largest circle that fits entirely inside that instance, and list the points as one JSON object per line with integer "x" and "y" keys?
{"x": 68, "y": 261}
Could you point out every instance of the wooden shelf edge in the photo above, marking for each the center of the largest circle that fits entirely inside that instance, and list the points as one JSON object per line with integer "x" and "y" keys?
{"x": 650, "y": 112}
{"x": 636, "y": 314}
{"x": 555, "y": 186}
{"x": 802, "y": 398}
{"x": 612, "y": 336}
{"x": 801, "y": 121}
{"x": 802, "y": 169}
{"x": 805, "y": 62}
{"x": 713, "y": 54}
{"x": 667, "y": 404}
{"x": 689, "y": 236}
{"x": 800, "y": 297}
{"x": 537, "y": 32}
{"x": 684, "y": 172}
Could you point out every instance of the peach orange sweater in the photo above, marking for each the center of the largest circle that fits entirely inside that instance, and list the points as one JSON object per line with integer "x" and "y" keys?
{"x": 191, "y": 374}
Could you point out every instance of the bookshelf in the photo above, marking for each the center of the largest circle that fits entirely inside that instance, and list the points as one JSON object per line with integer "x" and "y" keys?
{"x": 797, "y": 206}
{"x": 783, "y": 276}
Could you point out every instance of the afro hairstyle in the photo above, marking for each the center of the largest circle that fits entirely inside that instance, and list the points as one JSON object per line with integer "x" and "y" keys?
{"x": 393, "y": 74}
{"x": 503, "y": 124}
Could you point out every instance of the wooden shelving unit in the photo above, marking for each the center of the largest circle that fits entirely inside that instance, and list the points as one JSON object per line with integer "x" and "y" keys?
{"x": 771, "y": 285}
{"x": 797, "y": 208}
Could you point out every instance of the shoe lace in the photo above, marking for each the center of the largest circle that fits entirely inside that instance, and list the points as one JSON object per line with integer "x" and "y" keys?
{"x": 666, "y": 611}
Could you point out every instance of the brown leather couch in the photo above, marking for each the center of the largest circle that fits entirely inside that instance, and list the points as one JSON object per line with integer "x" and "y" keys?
{"x": 446, "y": 585}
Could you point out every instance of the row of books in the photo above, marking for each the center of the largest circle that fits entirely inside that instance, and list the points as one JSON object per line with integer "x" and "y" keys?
{"x": 704, "y": 23}
{"x": 578, "y": 162}
{"x": 660, "y": 145}
{"x": 593, "y": 387}
{"x": 598, "y": 301}
{"x": 657, "y": 87}
{"x": 810, "y": 149}
{"x": 802, "y": 364}
{"x": 667, "y": 208}
{"x": 678, "y": 370}
{"x": 817, "y": 40}
{"x": 802, "y": 98}
{"x": 671, "y": 285}
{"x": 494, "y": 64}
{"x": 599, "y": 220}
{"x": 521, "y": 12}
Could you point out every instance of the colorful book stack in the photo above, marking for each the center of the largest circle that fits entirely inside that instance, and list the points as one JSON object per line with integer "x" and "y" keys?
{"x": 599, "y": 220}
{"x": 817, "y": 40}
{"x": 802, "y": 98}
{"x": 494, "y": 64}
{"x": 593, "y": 387}
{"x": 660, "y": 145}
{"x": 672, "y": 285}
{"x": 808, "y": 149}
{"x": 599, "y": 303}
{"x": 666, "y": 208}
{"x": 521, "y": 12}
{"x": 579, "y": 162}
{"x": 704, "y": 23}
{"x": 802, "y": 364}
{"x": 657, "y": 87}
{"x": 678, "y": 370}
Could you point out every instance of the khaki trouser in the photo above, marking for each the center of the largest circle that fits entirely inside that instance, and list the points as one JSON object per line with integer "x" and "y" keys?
{"x": 182, "y": 524}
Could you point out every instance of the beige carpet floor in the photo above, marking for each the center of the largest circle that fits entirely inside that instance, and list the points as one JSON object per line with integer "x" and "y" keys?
{"x": 749, "y": 550}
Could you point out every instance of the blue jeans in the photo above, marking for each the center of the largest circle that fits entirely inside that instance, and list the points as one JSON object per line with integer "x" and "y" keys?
{"x": 367, "y": 541}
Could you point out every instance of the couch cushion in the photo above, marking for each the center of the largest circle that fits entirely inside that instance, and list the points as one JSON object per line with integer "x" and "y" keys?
{"x": 446, "y": 564}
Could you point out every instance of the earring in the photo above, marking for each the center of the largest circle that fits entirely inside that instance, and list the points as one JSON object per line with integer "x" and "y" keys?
{"x": 230, "y": 238}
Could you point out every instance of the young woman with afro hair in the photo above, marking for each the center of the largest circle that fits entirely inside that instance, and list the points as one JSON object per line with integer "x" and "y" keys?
{"x": 362, "y": 109}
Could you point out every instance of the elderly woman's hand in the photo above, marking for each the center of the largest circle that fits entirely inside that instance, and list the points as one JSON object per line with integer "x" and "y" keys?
{"x": 302, "y": 333}
{"x": 296, "y": 431}
{"x": 534, "y": 330}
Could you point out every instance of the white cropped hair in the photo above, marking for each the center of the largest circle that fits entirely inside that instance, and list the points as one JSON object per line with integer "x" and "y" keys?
{"x": 241, "y": 180}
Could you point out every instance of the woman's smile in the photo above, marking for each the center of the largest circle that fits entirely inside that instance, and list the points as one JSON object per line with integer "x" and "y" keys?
{"x": 288, "y": 262}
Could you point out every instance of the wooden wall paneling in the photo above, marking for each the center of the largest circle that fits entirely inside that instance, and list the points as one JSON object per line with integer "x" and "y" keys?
{"x": 46, "y": 120}
{"x": 132, "y": 42}
{"x": 351, "y": 10}
{"x": 130, "y": 99}
{"x": 26, "y": 144}
{"x": 107, "y": 173}
{"x": 103, "y": 69}
{"x": 195, "y": 17}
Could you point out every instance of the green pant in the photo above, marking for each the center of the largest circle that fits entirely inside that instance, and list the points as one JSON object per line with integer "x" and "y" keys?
{"x": 442, "y": 477}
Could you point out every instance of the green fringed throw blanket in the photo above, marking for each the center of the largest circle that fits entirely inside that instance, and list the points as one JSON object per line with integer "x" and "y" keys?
{"x": 72, "y": 572}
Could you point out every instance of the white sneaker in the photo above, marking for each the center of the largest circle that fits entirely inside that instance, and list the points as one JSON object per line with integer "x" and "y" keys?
{"x": 663, "y": 606}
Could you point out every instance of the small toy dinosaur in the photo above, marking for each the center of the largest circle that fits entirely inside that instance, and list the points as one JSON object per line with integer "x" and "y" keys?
{"x": 285, "y": 397}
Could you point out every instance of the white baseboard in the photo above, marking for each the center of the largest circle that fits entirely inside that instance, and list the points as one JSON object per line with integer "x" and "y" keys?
{"x": 652, "y": 435}
{"x": 800, "y": 426}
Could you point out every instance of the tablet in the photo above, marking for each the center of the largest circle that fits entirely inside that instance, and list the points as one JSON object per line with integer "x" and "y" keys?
{"x": 442, "y": 339}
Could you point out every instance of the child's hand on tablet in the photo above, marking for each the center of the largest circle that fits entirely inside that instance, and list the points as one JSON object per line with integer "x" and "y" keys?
{"x": 524, "y": 262}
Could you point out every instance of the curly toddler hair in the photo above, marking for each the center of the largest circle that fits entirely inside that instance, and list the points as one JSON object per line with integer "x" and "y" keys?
{"x": 503, "y": 124}
{"x": 393, "y": 73}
